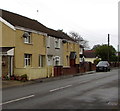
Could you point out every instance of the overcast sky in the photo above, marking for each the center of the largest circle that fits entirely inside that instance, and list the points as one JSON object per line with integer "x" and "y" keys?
{"x": 92, "y": 19}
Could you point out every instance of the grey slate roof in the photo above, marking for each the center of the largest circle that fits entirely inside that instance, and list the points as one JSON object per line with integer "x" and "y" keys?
{"x": 19, "y": 20}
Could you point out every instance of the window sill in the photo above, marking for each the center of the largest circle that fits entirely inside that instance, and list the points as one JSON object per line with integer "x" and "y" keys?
{"x": 27, "y": 67}
{"x": 28, "y": 43}
{"x": 57, "y": 48}
{"x": 40, "y": 67}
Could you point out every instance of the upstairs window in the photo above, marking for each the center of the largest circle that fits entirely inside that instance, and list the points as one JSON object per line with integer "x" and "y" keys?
{"x": 57, "y": 43}
{"x": 27, "y": 37}
{"x": 48, "y": 42}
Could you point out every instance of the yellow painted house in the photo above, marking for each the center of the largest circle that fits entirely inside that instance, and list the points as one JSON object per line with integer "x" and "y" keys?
{"x": 28, "y": 47}
{"x": 30, "y": 55}
{"x": 24, "y": 46}
{"x": 71, "y": 52}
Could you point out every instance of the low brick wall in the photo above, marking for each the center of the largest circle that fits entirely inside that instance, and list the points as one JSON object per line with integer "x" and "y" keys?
{"x": 78, "y": 68}
{"x": 84, "y": 67}
{"x": 115, "y": 64}
{"x": 70, "y": 70}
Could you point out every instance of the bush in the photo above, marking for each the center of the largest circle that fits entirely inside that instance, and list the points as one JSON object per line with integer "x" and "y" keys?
{"x": 96, "y": 61}
{"x": 24, "y": 77}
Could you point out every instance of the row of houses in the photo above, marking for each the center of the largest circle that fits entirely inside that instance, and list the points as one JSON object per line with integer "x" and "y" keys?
{"x": 29, "y": 47}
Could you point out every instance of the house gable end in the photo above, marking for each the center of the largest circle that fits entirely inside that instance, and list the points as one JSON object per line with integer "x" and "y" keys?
{"x": 7, "y": 23}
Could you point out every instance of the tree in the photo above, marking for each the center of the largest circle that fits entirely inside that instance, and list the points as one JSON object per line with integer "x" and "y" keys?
{"x": 79, "y": 39}
{"x": 102, "y": 52}
{"x": 95, "y": 46}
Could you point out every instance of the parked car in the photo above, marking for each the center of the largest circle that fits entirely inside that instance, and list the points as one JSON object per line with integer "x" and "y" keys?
{"x": 103, "y": 66}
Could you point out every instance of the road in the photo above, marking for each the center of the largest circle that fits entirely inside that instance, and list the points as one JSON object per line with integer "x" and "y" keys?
{"x": 92, "y": 91}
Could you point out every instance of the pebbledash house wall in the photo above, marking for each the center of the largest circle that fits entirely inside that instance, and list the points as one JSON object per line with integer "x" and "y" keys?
{"x": 35, "y": 48}
{"x": 8, "y": 36}
{"x": 51, "y": 50}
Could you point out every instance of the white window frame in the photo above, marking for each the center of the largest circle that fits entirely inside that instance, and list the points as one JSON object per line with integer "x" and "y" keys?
{"x": 57, "y": 43}
{"x": 56, "y": 59}
{"x": 41, "y": 60}
{"x": 27, "y": 59}
{"x": 27, "y": 39}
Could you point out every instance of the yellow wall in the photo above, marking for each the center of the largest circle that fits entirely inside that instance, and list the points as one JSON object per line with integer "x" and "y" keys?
{"x": 67, "y": 48}
{"x": 32, "y": 73}
{"x": 8, "y": 36}
{"x": 37, "y": 47}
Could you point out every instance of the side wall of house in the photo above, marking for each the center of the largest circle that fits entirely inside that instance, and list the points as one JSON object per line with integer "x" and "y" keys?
{"x": 7, "y": 39}
{"x": 8, "y": 36}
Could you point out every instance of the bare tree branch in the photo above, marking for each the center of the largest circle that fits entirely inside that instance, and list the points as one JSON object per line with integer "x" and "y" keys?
{"x": 79, "y": 39}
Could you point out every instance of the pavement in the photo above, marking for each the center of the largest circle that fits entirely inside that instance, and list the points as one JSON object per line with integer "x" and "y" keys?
{"x": 15, "y": 83}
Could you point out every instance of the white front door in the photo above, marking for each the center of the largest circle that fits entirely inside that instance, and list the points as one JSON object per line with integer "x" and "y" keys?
{"x": 49, "y": 60}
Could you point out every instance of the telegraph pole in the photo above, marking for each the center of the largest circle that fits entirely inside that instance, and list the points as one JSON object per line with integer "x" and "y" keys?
{"x": 118, "y": 55}
{"x": 108, "y": 46}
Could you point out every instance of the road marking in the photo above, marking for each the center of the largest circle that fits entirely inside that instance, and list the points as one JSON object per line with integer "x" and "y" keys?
{"x": 60, "y": 88}
{"x": 15, "y": 100}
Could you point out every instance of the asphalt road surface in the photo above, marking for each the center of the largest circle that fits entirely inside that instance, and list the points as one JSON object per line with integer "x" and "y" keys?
{"x": 92, "y": 91}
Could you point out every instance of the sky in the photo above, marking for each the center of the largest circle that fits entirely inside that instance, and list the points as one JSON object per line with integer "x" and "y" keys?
{"x": 92, "y": 19}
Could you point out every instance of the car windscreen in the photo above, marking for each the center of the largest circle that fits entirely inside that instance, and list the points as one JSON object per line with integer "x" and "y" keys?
{"x": 102, "y": 63}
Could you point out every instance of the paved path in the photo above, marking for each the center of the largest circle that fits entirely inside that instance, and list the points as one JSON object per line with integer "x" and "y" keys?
{"x": 14, "y": 83}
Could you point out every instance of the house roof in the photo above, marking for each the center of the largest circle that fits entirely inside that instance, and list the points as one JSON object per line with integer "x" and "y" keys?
{"x": 89, "y": 54}
{"x": 19, "y": 20}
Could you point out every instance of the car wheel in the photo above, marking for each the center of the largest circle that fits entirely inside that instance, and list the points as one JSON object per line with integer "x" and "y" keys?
{"x": 106, "y": 69}
{"x": 97, "y": 71}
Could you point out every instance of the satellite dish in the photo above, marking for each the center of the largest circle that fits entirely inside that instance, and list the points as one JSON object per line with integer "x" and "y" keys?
{"x": 64, "y": 41}
{"x": 26, "y": 34}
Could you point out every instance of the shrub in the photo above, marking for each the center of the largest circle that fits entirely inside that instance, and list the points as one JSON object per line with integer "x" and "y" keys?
{"x": 24, "y": 77}
{"x": 96, "y": 61}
